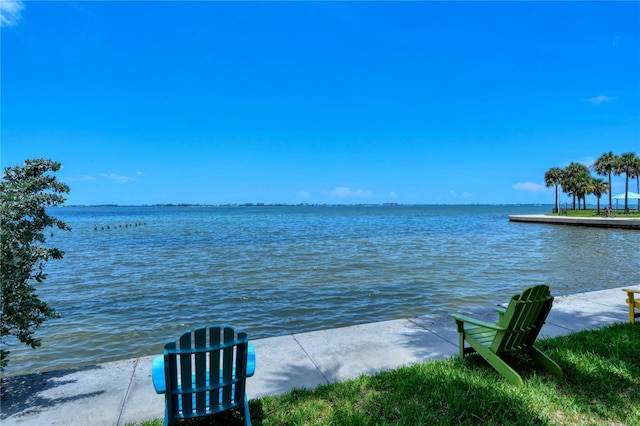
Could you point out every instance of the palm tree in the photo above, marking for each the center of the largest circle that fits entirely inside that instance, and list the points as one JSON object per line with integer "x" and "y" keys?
{"x": 626, "y": 163}
{"x": 598, "y": 187}
{"x": 605, "y": 166}
{"x": 570, "y": 179}
{"x": 582, "y": 182}
{"x": 553, "y": 177}
{"x": 635, "y": 172}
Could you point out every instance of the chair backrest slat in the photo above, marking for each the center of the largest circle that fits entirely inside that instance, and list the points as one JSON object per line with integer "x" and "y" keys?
{"x": 206, "y": 372}
{"x": 186, "y": 383}
{"x": 523, "y": 319}
{"x": 545, "y": 308}
{"x": 241, "y": 365}
{"x": 214, "y": 370}
{"x": 227, "y": 371}
{"x": 171, "y": 377}
{"x": 200, "y": 338}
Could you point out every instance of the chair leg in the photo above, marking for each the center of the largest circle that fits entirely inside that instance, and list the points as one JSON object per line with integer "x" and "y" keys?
{"x": 544, "y": 361}
{"x": 633, "y": 304}
{"x": 460, "y": 327}
{"x": 499, "y": 365}
{"x": 167, "y": 420}
{"x": 461, "y": 344}
{"x": 247, "y": 417}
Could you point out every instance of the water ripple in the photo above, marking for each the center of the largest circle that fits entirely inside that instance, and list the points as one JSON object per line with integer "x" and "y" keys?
{"x": 123, "y": 292}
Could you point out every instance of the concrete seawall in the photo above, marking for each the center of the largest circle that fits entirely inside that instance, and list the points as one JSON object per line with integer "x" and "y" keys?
{"x": 598, "y": 222}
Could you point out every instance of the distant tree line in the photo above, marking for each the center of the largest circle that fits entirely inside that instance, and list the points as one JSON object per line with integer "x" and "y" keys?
{"x": 576, "y": 180}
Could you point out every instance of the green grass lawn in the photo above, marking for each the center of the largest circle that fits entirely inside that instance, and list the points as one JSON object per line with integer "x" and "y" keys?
{"x": 601, "y": 386}
{"x": 633, "y": 213}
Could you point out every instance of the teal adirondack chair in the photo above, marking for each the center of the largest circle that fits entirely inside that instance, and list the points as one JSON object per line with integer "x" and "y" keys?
{"x": 205, "y": 373}
{"x": 515, "y": 331}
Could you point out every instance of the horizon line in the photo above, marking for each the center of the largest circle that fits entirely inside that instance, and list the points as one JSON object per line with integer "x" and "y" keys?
{"x": 301, "y": 204}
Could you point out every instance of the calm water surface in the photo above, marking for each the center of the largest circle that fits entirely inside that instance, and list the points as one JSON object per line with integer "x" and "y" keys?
{"x": 277, "y": 270}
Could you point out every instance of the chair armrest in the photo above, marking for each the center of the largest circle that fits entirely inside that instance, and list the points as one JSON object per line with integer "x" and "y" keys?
{"x": 501, "y": 311}
{"x": 631, "y": 290}
{"x": 157, "y": 374}
{"x": 251, "y": 360}
{"x": 465, "y": 319}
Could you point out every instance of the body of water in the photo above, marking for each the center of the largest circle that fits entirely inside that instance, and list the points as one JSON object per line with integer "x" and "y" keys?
{"x": 153, "y": 272}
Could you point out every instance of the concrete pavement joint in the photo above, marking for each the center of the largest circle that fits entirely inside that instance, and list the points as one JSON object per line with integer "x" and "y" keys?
{"x": 126, "y": 394}
{"x": 432, "y": 332}
{"x": 311, "y": 359}
{"x": 419, "y": 325}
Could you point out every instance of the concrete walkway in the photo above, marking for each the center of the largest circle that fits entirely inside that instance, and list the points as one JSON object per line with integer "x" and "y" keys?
{"x": 121, "y": 392}
{"x": 618, "y": 221}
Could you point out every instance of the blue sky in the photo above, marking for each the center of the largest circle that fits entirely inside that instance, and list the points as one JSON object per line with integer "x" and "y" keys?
{"x": 317, "y": 102}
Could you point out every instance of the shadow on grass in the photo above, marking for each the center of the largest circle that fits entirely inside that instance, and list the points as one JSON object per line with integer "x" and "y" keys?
{"x": 601, "y": 385}
{"x": 424, "y": 394}
{"x": 601, "y": 371}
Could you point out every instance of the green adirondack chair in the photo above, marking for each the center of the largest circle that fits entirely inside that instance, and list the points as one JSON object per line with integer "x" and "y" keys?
{"x": 515, "y": 331}
{"x": 205, "y": 373}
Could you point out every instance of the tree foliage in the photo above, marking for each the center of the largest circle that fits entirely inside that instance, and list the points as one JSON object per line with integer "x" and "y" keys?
{"x": 598, "y": 187}
{"x": 25, "y": 193}
{"x": 626, "y": 163}
{"x": 605, "y": 165}
{"x": 553, "y": 177}
{"x": 576, "y": 180}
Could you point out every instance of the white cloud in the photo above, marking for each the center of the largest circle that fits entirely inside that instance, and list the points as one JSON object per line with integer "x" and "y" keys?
{"x": 588, "y": 161}
{"x": 344, "y": 192}
{"x": 80, "y": 179}
{"x": 600, "y": 99}
{"x": 302, "y": 194}
{"x": 392, "y": 194}
{"x": 10, "y": 12}
{"x": 529, "y": 187}
{"x": 117, "y": 178}
{"x": 463, "y": 194}
{"x": 615, "y": 41}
